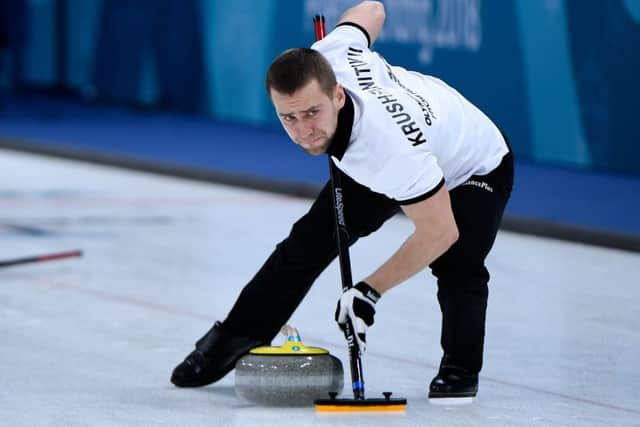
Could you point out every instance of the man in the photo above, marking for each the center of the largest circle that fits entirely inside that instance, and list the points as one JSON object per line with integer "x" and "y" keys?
{"x": 401, "y": 140}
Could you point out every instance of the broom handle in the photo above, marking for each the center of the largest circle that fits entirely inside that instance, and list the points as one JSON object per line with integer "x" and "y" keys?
{"x": 40, "y": 258}
{"x": 342, "y": 238}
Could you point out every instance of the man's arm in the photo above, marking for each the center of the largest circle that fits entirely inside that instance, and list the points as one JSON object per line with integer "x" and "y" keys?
{"x": 369, "y": 15}
{"x": 435, "y": 232}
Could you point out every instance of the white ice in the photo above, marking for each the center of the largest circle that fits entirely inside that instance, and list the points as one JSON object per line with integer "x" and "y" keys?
{"x": 92, "y": 341}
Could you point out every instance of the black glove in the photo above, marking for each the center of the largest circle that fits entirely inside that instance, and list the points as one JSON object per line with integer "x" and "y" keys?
{"x": 359, "y": 305}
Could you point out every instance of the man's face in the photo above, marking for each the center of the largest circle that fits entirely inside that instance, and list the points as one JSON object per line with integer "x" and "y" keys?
{"x": 309, "y": 116}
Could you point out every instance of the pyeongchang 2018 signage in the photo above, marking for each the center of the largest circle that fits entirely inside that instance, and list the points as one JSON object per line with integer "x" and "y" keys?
{"x": 429, "y": 24}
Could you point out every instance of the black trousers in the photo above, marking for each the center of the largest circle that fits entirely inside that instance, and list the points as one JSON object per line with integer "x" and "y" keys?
{"x": 271, "y": 297}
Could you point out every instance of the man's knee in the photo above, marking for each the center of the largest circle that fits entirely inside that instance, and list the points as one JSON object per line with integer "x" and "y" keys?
{"x": 463, "y": 283}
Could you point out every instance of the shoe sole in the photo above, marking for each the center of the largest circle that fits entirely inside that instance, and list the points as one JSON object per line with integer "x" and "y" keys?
{"x": 463, "y": 400}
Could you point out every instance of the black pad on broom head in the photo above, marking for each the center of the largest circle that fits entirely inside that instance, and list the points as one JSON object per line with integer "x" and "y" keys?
{"x": 358, "y": 403}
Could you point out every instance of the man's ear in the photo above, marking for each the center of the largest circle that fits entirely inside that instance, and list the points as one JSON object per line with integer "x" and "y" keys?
{"x": 339, "y": 96}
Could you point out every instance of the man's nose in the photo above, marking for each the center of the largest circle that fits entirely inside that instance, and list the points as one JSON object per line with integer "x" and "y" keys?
{"x": 303, "y": 130}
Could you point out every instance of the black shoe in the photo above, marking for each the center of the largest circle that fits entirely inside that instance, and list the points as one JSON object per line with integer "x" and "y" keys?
{"x": 215, "y": 356}
{"x": 453, "y": 381}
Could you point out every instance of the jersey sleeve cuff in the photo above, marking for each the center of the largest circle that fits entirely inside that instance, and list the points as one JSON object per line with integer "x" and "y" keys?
{"x": 353, "y": 24}
{"x": 424, "y": 196}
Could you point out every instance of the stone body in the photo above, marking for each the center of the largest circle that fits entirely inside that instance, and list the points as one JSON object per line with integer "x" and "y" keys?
{"x": 288, "y": 380}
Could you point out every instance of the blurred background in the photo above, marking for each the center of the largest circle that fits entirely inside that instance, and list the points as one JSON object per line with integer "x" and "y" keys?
{"x": 178, "y": 86}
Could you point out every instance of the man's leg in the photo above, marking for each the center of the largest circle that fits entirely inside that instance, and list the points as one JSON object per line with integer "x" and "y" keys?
{"x": 269, "y": 299}
{"x": 463, "y": 277}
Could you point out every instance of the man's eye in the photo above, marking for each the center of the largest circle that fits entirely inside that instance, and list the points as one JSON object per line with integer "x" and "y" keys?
{"x": 312, "y": 113}
{"x": 288, "y": 118}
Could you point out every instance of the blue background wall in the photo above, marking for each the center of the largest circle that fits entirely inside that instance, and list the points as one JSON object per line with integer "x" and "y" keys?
{"x": 560, "y": 76}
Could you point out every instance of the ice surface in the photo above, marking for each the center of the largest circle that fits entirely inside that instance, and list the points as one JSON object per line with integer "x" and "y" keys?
{"x": 92, "y": 341}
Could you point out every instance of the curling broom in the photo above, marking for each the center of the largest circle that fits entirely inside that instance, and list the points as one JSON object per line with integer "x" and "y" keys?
{"x": 359, "y": 402}
{"x": 40, "y": 258}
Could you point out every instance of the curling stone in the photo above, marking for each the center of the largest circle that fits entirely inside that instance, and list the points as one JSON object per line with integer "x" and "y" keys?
{"x": 290, "y": 375}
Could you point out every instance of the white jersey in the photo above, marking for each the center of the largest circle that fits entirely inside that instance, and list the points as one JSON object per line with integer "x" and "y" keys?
{"x": 409, "y": 132}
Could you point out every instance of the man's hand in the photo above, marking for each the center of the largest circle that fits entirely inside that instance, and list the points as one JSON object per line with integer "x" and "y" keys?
{"x": 358, "y": 304}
